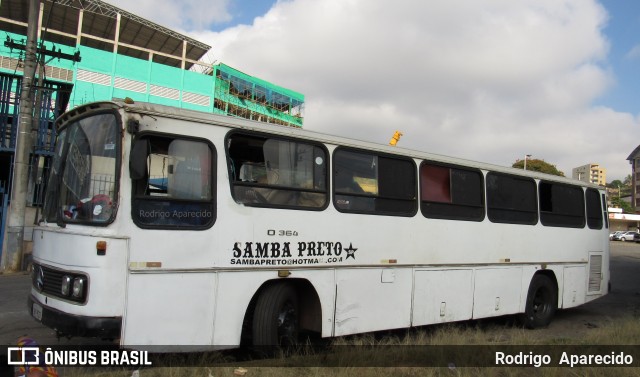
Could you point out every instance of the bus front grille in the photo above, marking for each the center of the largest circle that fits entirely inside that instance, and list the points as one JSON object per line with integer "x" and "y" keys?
{"x": 48, "y": 281}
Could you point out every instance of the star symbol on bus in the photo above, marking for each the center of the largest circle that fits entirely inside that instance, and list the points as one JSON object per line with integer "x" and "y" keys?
{"x": 351, "y": 252}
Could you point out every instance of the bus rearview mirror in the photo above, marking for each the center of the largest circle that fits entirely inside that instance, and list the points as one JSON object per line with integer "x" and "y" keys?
{"x": 138, "y": 159}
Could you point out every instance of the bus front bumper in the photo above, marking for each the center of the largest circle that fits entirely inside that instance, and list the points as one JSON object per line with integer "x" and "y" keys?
{"x": 74, "y": 325}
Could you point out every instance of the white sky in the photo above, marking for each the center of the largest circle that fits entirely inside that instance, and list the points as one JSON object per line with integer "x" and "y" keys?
{"x": 487, "y": 80}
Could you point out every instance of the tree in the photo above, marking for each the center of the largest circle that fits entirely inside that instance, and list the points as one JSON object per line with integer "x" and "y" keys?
{"x": 541, "y": 166}
{"x": 623, "y": 187}
{"x": 615, "y": 184}
{"x": 619, "y": 203}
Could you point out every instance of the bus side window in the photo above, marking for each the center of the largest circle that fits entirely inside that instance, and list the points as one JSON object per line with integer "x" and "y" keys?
{"x": 451, "y": 192}
{"x": 365, "y": 182}
{"x": 175, "y": 190}
{"x": 594, "y": 209}
{"x": 279, "y": 173}
{"x": 561, "y": 205}
{"x": 511, "y": 199}
{"x": 605, "y": 211}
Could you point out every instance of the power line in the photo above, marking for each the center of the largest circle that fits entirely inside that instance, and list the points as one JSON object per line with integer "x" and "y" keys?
{"x": 44, "y": 51}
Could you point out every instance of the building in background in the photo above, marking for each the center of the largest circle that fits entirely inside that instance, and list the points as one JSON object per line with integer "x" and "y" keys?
{"x": 591, "y": 173}
{"x": 620, "y": 221}
{"x": 93, "y": 51}
{"x": 634, "y": 160}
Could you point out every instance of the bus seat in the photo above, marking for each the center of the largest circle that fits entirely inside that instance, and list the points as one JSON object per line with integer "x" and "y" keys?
{"x": 275, "y": 195}
{"x": 186, "y": 180}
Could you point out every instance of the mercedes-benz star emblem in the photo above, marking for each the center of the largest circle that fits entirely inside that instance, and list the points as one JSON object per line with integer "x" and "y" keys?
{"x": 39, "y": 278}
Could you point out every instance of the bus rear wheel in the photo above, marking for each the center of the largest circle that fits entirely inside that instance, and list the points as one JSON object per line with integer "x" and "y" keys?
{"x": 275, "y": 319}
{"x": 542, "y": 301}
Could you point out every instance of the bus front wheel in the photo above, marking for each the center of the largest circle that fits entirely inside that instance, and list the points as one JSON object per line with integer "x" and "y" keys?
{"x": 275, "y": 319}
{"x": 542, "y": 301}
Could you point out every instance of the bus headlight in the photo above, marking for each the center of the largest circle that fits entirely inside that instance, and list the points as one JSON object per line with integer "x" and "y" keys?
{"x": 66, "y": 285}
{"x": 78, "y": 287}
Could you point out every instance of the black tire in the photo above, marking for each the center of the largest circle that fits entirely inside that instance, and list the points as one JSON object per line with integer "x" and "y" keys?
{"x": 275, "y": 319}
{"x": 542, "y": 302}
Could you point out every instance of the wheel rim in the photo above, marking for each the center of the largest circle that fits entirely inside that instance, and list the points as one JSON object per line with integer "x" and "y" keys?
{"x": 542, "y": 303}
{"x": 288, "y": 324}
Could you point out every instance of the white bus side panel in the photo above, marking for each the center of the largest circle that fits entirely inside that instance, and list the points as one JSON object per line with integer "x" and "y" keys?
{"x": 169, "y": 309}
{"x": 372, "y": 299}
{"x": 442, "y": 296}
{"x": 497, "y": 291}
{"x": 575, "y": 281}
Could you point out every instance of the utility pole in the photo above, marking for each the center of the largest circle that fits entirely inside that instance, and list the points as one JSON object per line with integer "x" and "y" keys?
{"x": 15, "y": 225}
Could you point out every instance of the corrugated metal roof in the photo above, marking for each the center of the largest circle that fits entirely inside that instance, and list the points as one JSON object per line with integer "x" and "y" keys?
{"x": 100, "y": 21}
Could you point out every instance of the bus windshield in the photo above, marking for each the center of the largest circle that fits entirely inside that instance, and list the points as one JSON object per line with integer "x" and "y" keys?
{"x": 82, "y": 183}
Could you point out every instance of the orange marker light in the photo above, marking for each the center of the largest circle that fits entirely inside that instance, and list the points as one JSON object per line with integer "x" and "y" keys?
{"x": 395, "y": 138}
{"x": 101, "y": 247}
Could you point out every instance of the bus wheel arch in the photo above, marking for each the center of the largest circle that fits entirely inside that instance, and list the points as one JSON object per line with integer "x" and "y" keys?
{"x": 542, "y": 300}
{"x": 281, "y": 309}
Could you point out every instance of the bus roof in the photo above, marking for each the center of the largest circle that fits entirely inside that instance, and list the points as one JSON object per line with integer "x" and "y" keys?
{"x": 280, "y": 130}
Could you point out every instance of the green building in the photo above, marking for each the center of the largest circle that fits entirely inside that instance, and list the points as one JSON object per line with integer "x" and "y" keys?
{"x": 93, "y": 51}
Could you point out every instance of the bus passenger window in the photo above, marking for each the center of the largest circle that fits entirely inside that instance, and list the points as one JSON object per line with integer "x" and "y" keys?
{"x": 282, "y": 173}
{"x": 373, "y": 184}
{"x": 451, "y": 192}
{"x": 594, "y": 209}
{"x": 561, "y": 205}
{"x": 511, "y": 199}
{"x": 176, "y": 189}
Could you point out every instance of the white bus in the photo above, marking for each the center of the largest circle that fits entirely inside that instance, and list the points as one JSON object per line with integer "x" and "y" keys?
{"x": 170, "y": 227}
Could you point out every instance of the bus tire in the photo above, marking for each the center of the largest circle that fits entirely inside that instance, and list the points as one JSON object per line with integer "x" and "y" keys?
{"x": 275, "y": 319}
{"x": 542, "y": 301}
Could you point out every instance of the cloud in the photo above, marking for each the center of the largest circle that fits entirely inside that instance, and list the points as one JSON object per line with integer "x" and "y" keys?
{"x": 183, "y": 16}
{"x": 634, "y": 53}
{"x": 486, "y": 80}
{"x": 490, "y": 81}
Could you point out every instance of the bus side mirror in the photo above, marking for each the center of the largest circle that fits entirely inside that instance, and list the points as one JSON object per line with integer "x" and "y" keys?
{"x": 138, "y": 159}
